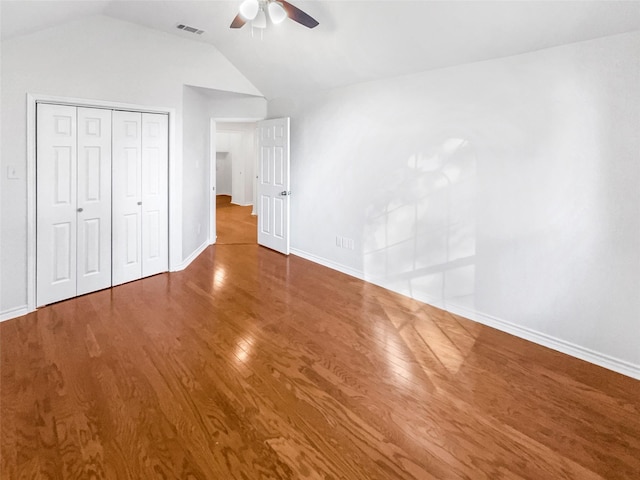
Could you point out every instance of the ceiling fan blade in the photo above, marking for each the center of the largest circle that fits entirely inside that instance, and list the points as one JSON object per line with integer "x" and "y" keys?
{"x": 297, "y": 15}
{"x": 237, "y": 22}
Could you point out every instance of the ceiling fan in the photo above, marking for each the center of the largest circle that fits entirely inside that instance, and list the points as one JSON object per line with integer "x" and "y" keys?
{"x": 256, "y": 12}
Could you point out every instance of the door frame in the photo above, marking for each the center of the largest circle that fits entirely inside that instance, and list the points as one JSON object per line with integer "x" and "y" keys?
{"x": 175, "y": 179}
{"x": 212, "y": 166}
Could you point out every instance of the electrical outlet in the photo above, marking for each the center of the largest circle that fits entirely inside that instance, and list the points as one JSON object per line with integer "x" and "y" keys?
{"x": 344, "y": 242}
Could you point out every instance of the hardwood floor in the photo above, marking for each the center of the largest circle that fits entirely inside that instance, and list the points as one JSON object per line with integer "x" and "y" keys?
{"x": 234, "y": 223}
{"x": 253, "y": 365}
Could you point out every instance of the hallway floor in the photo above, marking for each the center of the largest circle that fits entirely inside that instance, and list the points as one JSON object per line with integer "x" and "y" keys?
{"x": 234, "y": 223}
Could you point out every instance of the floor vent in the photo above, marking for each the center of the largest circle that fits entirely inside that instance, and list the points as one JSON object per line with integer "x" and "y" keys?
{"x": 190, "y": 29}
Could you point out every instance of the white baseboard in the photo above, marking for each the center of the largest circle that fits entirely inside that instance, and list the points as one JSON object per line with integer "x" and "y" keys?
{"x": 23, "y": 310}
{"x": 187, "y": 261}
{"x": 577, "y": 351}
{"x": 13, "y": 313}
{"x": 328, "y": 263}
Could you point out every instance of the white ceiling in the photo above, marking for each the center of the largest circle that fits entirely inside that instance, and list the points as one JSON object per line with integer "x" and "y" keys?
{"x": 356, "y": 40}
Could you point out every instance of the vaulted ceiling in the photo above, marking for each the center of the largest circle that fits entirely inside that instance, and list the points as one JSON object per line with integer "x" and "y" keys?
{"x": 356, "y": 40}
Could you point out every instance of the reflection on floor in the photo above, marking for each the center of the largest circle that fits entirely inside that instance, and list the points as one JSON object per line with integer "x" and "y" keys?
{"x": 234, "y": 223}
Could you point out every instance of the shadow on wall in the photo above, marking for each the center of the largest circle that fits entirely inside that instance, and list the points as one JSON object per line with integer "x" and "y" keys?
{"x": 422, "y": 242}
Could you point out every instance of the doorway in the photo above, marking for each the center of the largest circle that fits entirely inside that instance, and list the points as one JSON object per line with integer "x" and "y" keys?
{"x": 235, "y": 183}
{"x": 243, "y": 140}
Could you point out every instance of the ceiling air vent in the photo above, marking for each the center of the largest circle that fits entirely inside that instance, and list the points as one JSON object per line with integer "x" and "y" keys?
{"x": 190, "y": 29}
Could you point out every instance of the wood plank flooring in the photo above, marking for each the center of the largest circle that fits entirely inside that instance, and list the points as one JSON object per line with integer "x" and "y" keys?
{"x": 234, "y": 224}
{"x": 252, "y": 365}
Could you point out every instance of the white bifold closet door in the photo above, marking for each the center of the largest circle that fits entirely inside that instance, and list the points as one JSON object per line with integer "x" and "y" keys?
{"x": 140, "y": 199}
{"x": 73, "y": 236}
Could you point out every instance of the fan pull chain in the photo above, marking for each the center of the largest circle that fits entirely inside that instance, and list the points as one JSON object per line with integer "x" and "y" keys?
{"x": 253, "y": 29}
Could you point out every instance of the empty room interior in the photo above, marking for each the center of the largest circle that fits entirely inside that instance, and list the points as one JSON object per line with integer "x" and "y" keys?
{"x": 319, "y": 239}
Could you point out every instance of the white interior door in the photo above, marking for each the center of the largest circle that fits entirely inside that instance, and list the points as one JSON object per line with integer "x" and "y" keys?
{"x": 155, "y": 201}
{"x": 94, "y": 200}
{"x": 56, "y": 178}
{"x": 126, "y": 197}
{"x": 273, "y": 184}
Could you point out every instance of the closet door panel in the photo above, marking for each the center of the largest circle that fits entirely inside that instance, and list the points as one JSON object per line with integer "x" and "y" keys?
{"x": 94, "y": 200}
{"x": 56, "y": 179}
{"x": 155, "y": 201}
{"x": 126, "y": 197}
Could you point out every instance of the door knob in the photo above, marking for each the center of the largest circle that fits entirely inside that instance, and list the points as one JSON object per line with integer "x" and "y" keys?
{"x": 284, "y": 193}
{"x": 139, "y": 203}
{"x": 80, "y": 210}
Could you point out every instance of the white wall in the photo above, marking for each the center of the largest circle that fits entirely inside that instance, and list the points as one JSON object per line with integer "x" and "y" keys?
{"x": 233, "y": 106}
{"x": 228, "y": 161}
{"x": 196, "y": 164}
{"x": 223, "y": 171}
{"x": 505, "y": 190}
{"x": 103, "y": 59}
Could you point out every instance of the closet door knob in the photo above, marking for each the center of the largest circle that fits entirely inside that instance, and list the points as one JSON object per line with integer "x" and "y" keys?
{"x": 80, "y": 210}
{"x": 139, "y": 203}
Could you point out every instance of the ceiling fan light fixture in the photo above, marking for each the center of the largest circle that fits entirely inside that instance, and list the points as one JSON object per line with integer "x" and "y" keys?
{"x": 260, "y": 20}
{"x": 255, "y": 12}
{"x": 277, "y": 13}
{"x": 249, "y": 9}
